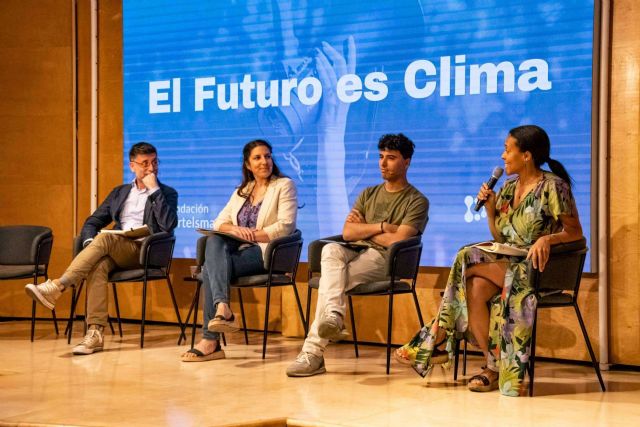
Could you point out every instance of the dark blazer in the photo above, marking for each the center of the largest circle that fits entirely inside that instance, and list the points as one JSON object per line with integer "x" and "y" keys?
{"x": 160, "y": 211}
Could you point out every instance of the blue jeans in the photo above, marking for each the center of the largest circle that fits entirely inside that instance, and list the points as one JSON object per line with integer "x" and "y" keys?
{"x": 223, "y": 262}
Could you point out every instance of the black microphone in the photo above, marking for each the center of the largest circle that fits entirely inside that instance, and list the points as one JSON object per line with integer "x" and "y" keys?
{"x": 495, "y": 176}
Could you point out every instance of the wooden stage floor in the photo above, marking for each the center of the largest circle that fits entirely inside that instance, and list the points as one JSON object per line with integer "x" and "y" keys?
{"x": 41, "y": 383}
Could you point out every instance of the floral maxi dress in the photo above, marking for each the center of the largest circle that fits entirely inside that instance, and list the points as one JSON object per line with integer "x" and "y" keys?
{"x": 512, "y": 312}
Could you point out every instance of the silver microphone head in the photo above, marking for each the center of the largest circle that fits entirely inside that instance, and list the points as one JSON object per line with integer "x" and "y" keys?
{"x": 497, "y": 172}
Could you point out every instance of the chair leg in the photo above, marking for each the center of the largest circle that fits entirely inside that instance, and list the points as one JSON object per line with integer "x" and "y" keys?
{"x": 175, "y": 307}
{"x": 188, "y": 318}
{"x": 144, "y": 311}
{"x": 110, "y": 322}
{"x": 69, "y": 322}
{"x": 266, "y": 323}
{"x": 33, "y": 320}
{"x": 353, "y": 327}
{"x": 308, "y": 317}
{"x": 196, "y": 302}
{"x": 244, "y": 320}
{"x": 75, "y": 296}
{"x": 33, "y": 311}
{"x": 304, "y": 323}
{"x": 72, "y": 314}
{"x": 115, "y": 301}
{"x": 55, "y": 321}
{"x": 389, "y": 329}
{"x": 456, "y": 359}
{"x": 596, "y": 366}
{"x": 464, "y": 358}
{"x": 415, "y": 300}
{"x": 532, "y": 353}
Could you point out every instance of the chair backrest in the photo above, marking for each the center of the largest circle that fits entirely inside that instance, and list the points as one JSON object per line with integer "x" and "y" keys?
{"x": 404, "y": 258}
{"x": 282, "y": 254}
{"x": 201, "y": 246}
{"x": 25, "y": 245}
{"x": 563, "y": 270}
{"x": 77, "y": 245}
{"x": 314, "y": 252}
{"x": 157, "y": 251}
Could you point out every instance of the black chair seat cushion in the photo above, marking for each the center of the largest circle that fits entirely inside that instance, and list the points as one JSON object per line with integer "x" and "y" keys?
{"x": 18, "y": 271}
{"x": 381, "y": 287}
{"x": 555, "y": 299}
{"x": 261, "y": 280}
{"x": 136, "y": 275}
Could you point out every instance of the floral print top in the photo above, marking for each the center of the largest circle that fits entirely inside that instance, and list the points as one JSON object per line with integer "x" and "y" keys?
{"x": 538, "y": 212}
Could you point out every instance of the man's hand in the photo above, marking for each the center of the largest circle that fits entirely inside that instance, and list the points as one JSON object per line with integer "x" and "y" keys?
{"x": 355, "y": 216}
{"x": 150, "y": 181}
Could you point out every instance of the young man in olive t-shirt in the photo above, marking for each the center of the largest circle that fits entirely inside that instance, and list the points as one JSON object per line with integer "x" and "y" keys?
{"x": 382, "y": 215}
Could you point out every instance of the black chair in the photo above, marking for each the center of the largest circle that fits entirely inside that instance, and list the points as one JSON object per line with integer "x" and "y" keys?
{"x": 281, "y": 265}
{"x": 403, "y": 263}
{"x": 155, "y": 259}
{"x": 558, "y": 286}
{"x": 25, "y": 251}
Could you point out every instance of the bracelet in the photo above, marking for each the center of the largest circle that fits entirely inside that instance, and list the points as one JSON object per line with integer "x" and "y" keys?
{"x": 382, "y": 227}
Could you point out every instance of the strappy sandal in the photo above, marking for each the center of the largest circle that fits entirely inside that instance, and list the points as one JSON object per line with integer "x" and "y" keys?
{"x": 218, "y": 353}
{"x": 488, "y": 384}
{"x": 220, "y": 324}
{"x": 400, "y": 356}
{"x": 438, "y": 357}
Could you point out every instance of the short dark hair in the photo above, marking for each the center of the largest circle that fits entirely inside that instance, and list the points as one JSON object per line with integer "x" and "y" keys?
{"x": 141, "y": 148}
{"x": 398, "y": 142}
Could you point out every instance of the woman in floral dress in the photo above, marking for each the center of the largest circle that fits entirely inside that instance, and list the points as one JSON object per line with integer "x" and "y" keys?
{"x": 534, "y": 210}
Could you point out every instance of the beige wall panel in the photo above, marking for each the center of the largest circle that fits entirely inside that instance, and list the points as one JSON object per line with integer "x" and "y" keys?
{"x": 36, "y": 119}
{"x": 625, "y": 184}
{"x": 84, "y": 112}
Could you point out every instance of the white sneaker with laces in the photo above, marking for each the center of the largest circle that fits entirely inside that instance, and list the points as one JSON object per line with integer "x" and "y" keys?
{"x": 306, "y": 365}
{"x": 91, "y": 343}
{"x": 45, "y": 293}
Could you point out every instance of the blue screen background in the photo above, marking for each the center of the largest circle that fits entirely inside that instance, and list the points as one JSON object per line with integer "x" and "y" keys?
{"x": 459, "y": 138}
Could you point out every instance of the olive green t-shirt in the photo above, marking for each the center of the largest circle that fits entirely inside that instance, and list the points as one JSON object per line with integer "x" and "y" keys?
{"x": 405, "y": 207}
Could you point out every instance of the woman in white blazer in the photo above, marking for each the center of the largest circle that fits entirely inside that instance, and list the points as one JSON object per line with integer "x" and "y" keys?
{"x": 262, "y": 208}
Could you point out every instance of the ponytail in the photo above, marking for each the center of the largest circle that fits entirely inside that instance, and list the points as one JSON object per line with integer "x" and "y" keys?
{"x": 558, "y": 169}
{"x": 535, "y": 140}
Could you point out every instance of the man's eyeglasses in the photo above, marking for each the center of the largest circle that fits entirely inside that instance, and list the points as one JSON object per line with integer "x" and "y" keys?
{"x": 146, "y": 163}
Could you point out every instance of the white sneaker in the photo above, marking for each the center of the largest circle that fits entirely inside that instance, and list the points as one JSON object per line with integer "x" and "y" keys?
{"x": 306, "y": 365}
{"x": 91, "y": 343}
{"x": 45, "y": 293}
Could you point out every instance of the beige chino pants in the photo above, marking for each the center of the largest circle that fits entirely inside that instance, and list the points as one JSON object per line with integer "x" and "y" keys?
{"x": 104, "y": 254}
{"x": 342, "y": 270}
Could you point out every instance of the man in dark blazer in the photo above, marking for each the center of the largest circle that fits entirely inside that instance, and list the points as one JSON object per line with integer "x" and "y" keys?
{"x": 145, "y": 201}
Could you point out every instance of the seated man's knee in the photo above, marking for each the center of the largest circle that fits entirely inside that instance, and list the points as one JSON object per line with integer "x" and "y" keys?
{"x": 104, "y": 239}
{"x": 333, "y": 251}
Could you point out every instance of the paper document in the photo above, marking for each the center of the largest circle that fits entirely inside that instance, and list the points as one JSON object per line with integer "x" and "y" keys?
{"x": 132, "y": 233}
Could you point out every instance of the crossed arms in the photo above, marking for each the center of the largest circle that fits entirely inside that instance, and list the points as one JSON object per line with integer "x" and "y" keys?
{"x": 381, "y": 233}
